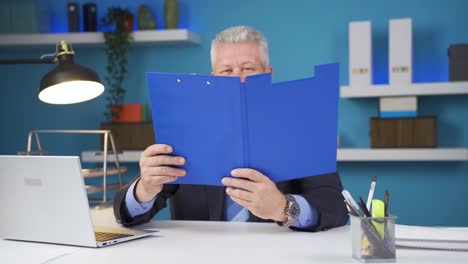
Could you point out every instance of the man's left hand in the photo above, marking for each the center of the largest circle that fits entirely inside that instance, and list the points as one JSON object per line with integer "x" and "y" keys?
{"x": 256, "y": 192}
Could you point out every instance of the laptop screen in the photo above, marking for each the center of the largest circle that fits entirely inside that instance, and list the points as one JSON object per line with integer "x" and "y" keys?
{"x": 45, "y": 200}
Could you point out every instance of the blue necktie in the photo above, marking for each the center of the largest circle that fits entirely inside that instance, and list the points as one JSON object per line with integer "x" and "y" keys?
{"x": 235, "y": 212}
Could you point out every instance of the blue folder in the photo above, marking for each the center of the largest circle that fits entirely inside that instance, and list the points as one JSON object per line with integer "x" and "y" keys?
{"x": 286, "y": 130}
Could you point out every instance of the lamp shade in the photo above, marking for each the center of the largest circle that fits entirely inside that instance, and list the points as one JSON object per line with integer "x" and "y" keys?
{"x": 69, "y": 83}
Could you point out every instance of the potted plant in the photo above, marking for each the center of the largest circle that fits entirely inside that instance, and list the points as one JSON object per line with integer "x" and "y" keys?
{"x": 117, "y": 24}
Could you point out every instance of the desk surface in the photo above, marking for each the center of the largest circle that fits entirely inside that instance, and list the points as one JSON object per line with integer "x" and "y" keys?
{"x": 217, "y": 242}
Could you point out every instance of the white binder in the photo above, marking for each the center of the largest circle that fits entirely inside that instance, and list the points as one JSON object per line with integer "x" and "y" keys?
{"x": 360, "y": 54}
{"x": 400, "y": 52}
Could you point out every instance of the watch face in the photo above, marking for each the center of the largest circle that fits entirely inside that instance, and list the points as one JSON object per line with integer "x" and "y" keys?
{"x": 293, "y": 210}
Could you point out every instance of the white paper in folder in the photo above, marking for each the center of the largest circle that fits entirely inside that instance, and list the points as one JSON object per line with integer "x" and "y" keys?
{"x": 442, "y": 238}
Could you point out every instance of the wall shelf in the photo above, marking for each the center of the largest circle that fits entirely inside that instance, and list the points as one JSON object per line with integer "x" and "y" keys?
{"x": 124, "y": 156}
{"x": 403, "y": 154}
{"x": 343, "y": 155}
{"x": 172, "y": 36}
{"x": 415, "y": 89}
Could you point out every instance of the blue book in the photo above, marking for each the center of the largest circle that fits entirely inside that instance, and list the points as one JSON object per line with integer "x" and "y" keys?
{"x": 286, "y": 130}
{"x": 397, "y": 114}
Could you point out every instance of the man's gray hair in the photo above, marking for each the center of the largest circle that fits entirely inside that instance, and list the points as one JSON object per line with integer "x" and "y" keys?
{"x": 239, "y": 34}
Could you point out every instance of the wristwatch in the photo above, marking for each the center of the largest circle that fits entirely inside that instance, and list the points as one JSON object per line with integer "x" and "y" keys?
{"x": 292, "y": 211}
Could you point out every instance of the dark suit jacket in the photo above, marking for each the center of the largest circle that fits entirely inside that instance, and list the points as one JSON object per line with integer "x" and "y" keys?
{"x": 201, "y": 202}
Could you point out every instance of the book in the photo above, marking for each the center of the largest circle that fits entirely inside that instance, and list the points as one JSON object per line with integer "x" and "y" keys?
{"x": 394, "y": 107}
{"x": 285, "y": 130}
{"x": 441, "y": 238}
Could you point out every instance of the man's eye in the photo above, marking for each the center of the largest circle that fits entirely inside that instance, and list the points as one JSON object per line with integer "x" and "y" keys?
{"x": 247, "y": 69}
{"x": 226, "y": 71}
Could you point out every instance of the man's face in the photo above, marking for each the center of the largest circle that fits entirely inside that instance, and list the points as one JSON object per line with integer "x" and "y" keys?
{"x": 239, "y": 59}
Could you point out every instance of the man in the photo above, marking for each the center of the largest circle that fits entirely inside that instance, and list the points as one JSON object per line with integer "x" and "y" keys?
{"x": 309, "y": 204}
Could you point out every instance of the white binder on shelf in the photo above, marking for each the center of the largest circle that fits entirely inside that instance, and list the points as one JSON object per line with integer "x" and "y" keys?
{"x": 360, "y": 54}
{"x": 400, "y": 52}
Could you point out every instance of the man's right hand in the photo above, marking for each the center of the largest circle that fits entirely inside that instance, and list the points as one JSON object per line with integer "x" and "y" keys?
{"x": 155, "y": 170}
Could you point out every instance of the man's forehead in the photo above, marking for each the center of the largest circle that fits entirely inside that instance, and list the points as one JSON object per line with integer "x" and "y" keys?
{"x": 239, "y": 53}
{"x": 241, "y": 46}
{"x": 228, "y": 63}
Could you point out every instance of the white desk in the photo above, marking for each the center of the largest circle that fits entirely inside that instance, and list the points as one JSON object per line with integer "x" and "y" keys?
{"x": 222, "y": 242}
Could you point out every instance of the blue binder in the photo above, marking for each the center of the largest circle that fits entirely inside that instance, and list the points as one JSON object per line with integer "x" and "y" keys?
{"x": 286, "y": 130}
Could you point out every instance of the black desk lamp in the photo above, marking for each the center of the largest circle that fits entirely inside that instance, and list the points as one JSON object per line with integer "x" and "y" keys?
{"x": 68, "y": 83}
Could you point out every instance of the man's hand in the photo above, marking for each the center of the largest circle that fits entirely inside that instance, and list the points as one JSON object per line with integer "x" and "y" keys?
{"x": 155, "y": 170}
{"x": 257, "y": 193}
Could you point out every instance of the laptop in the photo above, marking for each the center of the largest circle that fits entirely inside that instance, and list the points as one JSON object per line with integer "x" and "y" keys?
{"x": 44, "y": 200}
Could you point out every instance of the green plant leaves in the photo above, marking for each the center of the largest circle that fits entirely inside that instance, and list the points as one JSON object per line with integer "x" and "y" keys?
{"x": 117, "y": 40}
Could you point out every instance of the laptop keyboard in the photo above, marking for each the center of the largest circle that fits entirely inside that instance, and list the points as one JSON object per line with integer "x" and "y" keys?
{"x": 104, "y": 236}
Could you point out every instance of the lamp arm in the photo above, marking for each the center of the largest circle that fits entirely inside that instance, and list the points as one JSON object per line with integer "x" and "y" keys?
{"x": 29, "y": 61}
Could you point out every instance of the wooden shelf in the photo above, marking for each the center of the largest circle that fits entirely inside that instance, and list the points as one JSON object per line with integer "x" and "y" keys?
{"x": 415, "y": 89}
{"x": 172, "y": 36}
{"x": 402, "y": 154}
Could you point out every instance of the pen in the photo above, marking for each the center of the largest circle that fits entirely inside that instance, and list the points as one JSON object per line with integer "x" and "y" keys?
{"x": 363, "y": 207}
{"x": 386, "y": 203}
{"x": 351, "y": 203}
{"x": 351, "y": 209}
{"x": 371, "y": 192}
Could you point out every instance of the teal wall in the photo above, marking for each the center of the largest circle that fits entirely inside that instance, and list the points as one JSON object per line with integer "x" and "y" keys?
{"x": 302, "y": 33}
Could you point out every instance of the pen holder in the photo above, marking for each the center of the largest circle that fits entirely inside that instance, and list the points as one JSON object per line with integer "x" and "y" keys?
{"x": 373, "y": 239}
